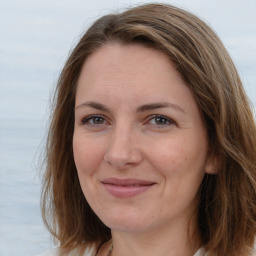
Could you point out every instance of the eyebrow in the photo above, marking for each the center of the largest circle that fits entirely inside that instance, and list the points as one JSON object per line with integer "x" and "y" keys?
{"x": 152, "y": 106}
{"x": 142, "y": 108}
{"x": 95, "y": 105}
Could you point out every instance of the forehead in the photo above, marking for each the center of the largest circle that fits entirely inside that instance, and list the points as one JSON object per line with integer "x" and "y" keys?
{"x": 124, "y": 65}
{"x": 133, "y": 73}
{"x": 121, "y": 57}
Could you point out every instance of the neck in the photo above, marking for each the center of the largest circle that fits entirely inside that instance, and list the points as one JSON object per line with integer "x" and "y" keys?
{"x": 173, "y": 241}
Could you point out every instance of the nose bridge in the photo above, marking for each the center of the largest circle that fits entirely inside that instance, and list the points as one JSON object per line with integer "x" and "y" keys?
{"x": 123, "y": 150}
{"x": 122, "y": 135}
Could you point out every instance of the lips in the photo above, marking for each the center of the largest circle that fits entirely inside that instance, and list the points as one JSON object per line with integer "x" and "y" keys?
{"x": 126, "y": 187}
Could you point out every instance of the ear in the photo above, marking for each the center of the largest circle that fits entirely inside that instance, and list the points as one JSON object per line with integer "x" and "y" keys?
{"x": 213, "y": 164}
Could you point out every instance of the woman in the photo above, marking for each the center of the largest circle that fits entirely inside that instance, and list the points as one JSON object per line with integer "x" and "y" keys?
{"x": 151, "y": 148}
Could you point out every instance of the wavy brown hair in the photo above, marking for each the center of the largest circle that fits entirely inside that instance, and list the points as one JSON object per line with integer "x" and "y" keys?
{"x": 227, "y": 209}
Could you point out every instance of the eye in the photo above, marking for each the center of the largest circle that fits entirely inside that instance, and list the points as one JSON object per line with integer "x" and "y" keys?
{"x": 160, "y": 120}
{"x": 94, "y": 120}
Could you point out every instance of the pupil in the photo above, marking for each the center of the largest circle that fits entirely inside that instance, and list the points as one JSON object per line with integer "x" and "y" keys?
{"x": 160, "y": 120}
{"x": 98, "y": 120}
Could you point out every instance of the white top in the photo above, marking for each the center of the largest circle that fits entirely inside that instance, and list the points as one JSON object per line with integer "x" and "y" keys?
{"x": 54, "y": 252}
{"x": 91, "y": 252}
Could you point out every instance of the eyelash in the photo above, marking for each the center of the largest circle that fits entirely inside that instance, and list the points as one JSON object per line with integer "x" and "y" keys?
{"x": 168, "y": 121}
{"x": 87, "y": 119}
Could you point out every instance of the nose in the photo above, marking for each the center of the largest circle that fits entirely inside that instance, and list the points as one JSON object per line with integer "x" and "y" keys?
{"x": 123, "y": 151}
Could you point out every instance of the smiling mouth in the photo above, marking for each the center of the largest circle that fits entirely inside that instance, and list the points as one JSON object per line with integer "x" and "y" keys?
{"x": 126, "y": 187}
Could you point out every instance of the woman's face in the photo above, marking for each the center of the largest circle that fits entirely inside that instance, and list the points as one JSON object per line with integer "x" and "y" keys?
{"x": 140, "y": 145}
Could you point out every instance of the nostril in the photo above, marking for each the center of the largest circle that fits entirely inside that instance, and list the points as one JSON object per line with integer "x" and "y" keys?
{"x": 123, "y": 152}
{"x": 121, "y": 160}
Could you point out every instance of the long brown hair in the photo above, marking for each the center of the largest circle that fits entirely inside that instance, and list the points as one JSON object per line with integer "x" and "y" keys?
{"x": 227, "y": 209}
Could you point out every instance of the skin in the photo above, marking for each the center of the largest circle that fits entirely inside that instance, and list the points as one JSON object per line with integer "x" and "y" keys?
{"x": 167, "y": 145}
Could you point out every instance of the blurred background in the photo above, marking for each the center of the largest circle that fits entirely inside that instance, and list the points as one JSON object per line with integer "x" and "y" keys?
{"x": 35, "y": 39}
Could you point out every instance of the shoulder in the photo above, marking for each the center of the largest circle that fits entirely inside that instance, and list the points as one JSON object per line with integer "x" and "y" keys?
{"x": 75, "y": 252}
{"x": 200, "y": 252}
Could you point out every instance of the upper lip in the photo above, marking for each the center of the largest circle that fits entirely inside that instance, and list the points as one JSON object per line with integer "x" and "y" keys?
{"x": 127, "y": 182}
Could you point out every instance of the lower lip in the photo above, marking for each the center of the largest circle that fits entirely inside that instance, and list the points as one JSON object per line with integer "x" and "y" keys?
{"x": 126, "y": 191}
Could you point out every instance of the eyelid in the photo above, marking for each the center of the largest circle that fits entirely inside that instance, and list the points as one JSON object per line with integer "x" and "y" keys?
{"x": 170, "y": 120}
{"x": 87, "y": 118}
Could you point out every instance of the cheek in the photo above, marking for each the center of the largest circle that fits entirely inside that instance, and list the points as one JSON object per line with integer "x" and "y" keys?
{"x": 87, "y": 155}
{"x": 179, "y": 156}
{"x": 167, "y": 154}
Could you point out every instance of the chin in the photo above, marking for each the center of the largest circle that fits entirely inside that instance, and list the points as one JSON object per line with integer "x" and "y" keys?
{"x": 125, "y": 222}
{"x": 125, "y": 226}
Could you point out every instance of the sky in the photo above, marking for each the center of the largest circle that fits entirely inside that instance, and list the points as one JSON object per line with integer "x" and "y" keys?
{"x": 36, "y": 38}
